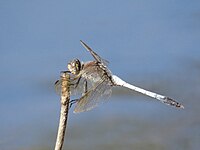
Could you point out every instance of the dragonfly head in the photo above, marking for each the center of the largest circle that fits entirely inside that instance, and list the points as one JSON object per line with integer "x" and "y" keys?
{"x": 74, "y": 66}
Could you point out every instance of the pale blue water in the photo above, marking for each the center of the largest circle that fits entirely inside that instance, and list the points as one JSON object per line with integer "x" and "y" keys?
{"x": 153, "y": 44}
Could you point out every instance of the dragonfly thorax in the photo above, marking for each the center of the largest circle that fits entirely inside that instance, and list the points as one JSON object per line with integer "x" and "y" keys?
{"x": 74, "y": 66}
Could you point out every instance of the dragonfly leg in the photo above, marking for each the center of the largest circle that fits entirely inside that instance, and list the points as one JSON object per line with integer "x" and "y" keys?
{"x": 76, "y": 84}
{"x": 56, "y": 82}
{"x": 65, "y": 71}
{"x": 71, "y": 84}
{"x": 72, "y": 102}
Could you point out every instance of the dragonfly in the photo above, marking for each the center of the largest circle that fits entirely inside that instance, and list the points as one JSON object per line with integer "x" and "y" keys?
{"x": 94, "y": 81}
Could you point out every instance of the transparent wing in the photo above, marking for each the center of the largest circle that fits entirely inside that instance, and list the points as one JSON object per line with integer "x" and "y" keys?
{"x": 95, "y": 55}
{"x": 94, "y": 97}
{"x": 91, "y": 72}
{"x": 57, "y": 86}
{"x": 96, "y": 72}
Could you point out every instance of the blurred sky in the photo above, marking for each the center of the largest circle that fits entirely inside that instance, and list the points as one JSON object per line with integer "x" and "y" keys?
{"x": 151, "y": 43}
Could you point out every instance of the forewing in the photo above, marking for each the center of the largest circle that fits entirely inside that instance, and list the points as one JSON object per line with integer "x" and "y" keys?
{"x": 93, "y": 97}
{"x": 94, "y": 54}
{"x": 57, "y": 87}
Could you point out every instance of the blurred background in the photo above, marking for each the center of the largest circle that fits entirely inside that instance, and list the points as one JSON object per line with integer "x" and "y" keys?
{"x": 151, "y": 44}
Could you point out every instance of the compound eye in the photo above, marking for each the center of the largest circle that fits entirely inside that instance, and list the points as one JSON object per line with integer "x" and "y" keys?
{"x": 78, "y": 65}
{"x": 74, "y": 66}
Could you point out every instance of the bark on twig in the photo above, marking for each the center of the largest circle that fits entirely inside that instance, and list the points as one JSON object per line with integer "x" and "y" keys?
{"x": 65, "y": 98}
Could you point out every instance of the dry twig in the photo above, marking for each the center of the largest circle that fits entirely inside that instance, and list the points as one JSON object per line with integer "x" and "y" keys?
{"x": 65, "y": 98}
